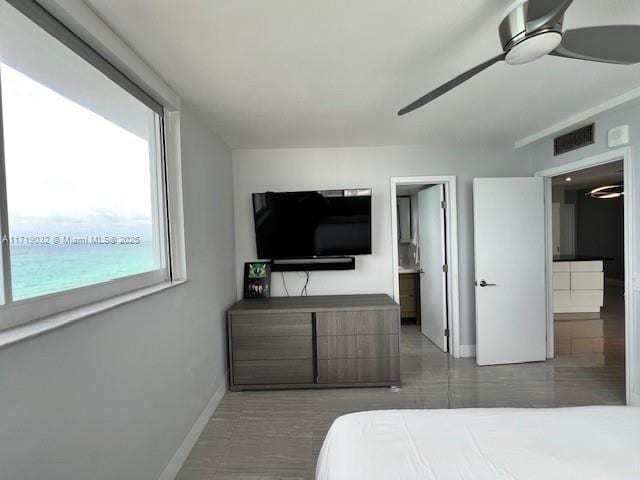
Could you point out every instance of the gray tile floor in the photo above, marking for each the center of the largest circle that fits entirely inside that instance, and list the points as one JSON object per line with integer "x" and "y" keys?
{"x": 278, "y": 434}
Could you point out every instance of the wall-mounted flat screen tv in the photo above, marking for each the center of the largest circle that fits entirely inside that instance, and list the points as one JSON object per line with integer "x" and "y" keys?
{"x": 312, "y": 224}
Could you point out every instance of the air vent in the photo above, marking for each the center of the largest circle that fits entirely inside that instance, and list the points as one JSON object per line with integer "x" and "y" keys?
{"x": 573, "y": 140}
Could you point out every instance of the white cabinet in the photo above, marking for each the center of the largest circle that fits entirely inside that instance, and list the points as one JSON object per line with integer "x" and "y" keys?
{"x": 590, "y": 266}
{"x": 587, "y": 281}
{"x": 561, "y": 280}
{"x": 578, "y": 286}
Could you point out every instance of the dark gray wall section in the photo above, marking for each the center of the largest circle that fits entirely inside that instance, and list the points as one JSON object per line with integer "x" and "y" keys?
{"x": 601, "y": 231}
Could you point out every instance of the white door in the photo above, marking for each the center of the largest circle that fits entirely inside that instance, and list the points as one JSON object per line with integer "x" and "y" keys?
{"x": 509, "y": 232}
{"x": 432, "y": 244}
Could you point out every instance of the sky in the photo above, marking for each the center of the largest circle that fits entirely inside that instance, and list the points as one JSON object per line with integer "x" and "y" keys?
{"x": 69, "y": 170}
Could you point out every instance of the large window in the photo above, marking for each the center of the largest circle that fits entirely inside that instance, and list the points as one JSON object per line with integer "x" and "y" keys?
{"x": 82, "y": 202}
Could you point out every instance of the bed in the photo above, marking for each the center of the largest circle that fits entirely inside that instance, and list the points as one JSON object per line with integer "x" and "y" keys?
{"x": 581, "y": 443}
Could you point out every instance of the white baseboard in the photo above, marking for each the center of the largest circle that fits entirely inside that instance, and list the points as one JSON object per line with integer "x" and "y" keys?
{"x": 467, "y": 351}
{"x": 175, "y": 464}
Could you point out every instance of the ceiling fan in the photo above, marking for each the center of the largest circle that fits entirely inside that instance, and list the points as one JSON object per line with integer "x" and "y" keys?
{"x": 533, "y": 29}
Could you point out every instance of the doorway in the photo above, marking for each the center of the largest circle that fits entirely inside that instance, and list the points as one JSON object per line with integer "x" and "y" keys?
{"x": 425, "y": 259}
{"x": 588, "y": 266}
{"x": 589, "y": 223}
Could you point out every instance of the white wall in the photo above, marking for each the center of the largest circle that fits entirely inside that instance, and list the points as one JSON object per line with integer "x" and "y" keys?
{"x": 337, "y": 168}
{"x": 113, "y": 396}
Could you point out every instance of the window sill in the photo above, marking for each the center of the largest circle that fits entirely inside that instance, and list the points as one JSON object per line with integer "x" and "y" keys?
{"x": 47, "y": 324}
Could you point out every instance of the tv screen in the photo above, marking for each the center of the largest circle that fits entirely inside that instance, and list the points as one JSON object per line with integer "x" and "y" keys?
{"x": 312, "y": 224}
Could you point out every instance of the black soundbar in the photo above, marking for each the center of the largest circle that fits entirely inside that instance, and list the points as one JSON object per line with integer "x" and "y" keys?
{"x": 313, "y": 264}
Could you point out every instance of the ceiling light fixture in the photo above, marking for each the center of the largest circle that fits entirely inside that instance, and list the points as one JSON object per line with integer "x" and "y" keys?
{"x": 532, "y": 48}
{"x": 608, "y": 191}
{"x": 568, "y": 179}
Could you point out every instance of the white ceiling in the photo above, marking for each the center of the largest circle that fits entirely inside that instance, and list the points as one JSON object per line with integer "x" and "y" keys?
{"x": 284, "y": 73}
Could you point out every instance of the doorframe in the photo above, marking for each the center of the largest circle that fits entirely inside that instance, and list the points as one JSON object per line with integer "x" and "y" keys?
{"x": 451, "y": 229}
{"x": 630, "y": 317}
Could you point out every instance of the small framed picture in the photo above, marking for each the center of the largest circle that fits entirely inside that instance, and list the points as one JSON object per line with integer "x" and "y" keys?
{"x": 257, "y": 280}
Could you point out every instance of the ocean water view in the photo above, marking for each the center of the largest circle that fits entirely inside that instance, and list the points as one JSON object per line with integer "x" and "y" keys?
{"x": 42, "y": 269}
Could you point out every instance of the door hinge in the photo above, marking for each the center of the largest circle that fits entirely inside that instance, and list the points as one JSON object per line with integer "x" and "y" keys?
{"x": 445, "y": 268}
{"x": 446, "y": 332}
{"x": 443, "y": 204}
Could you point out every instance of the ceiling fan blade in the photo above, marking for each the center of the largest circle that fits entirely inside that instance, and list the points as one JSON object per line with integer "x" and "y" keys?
{"x": 545, "y": 12}
{"x": 607, "y": 44}
{"x": 441, "y": 90}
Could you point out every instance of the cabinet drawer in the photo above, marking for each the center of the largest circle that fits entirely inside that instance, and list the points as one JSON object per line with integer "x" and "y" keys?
{"x": 271, "y": 325}
{"x": 561, "y": 266}
{"x": 357, "y": 323}
{"x": 359, "y": 370}
{"x": 407, "y": 303}
{"x": 358, "y": 346}
{"x": 266, "y": 348}
{"x": 337, "y": 346}
{"x": 591, "y": 266}
{"x": 592, "y": 298}
{"x": 378, "y": 369}
{"x": 561, "y": 281}
{"x": 378, "y": 346}
{"x": 587, "y": 280}
{"x": 261, "y": 372}
{"x": 408, "y": 283}
{"x": 561, "y": 298}
{"x": 342, "y": 370}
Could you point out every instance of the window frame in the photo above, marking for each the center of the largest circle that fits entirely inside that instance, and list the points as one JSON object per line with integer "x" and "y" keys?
{"x": 14, "y": 313}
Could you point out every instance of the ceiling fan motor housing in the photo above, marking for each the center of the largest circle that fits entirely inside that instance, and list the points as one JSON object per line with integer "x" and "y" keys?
{"x": 522, "y": 46}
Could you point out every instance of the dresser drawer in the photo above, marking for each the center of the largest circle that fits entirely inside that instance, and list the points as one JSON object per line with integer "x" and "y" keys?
{"x": 269, "y": 348}
{"x": 357, "y": 323}
{"x": 257, "y": 372}
{"x": 359, "y": 370}
{"x": 378, "y": 369}
{"x": 341, "y": 370}
{"x": 358, "y": 346}
{"x": 271, "y": 325}
{"x": 337, "y": 346}
{"x": 378, "y": 346}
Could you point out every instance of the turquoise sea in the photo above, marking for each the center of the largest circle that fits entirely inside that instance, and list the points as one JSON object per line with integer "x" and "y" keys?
{"x": 41, "y": 269}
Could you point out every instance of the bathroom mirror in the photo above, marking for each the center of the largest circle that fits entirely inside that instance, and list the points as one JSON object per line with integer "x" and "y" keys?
{"x": 404, "y": 219}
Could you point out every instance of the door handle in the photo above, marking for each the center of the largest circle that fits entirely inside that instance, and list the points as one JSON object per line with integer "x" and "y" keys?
{"x": 485, "y": 284}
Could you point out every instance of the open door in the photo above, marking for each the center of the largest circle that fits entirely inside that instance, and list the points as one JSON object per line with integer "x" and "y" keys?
{"x": 509, "y": 230}
{"x": 433, "y": 277}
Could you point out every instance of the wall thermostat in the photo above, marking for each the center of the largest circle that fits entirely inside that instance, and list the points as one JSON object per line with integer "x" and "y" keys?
{"x": 618, "y": 136}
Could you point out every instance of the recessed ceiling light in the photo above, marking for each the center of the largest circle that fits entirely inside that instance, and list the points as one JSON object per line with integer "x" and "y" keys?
{"x": 568, "y": 179}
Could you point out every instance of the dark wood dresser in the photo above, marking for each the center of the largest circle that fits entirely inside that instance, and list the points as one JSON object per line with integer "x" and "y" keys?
{"x": 314, "y": 342}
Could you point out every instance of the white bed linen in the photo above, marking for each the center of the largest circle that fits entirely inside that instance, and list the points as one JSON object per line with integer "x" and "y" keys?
{"x": 581, "y": 443}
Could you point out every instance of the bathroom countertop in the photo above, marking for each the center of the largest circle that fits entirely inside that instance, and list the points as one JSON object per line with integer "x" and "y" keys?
{"x": 408, "y": 269}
